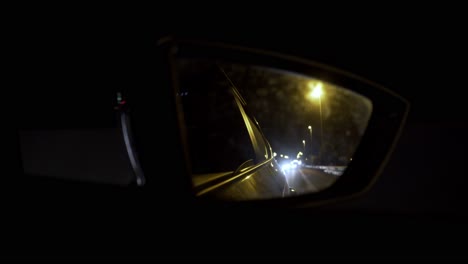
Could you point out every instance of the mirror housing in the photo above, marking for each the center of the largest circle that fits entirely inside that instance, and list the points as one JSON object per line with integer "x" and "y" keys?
{"x": 384, "y": 126}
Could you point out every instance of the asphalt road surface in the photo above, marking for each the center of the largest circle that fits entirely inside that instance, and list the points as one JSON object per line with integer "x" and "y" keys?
{"x": 306, "y": 180}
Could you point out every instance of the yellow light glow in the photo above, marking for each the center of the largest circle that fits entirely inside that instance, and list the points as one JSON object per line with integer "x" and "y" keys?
{"x": 274, "y": 154}
{"x": 317, "y": 91}
{"x": 310, "y": 127}
{"x": 286, "y": 157}
{"x": 303, "y": 141}
{"x": 281, "y": 155}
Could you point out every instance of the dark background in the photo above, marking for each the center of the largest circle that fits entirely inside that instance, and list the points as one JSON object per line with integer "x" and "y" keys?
{"x": 417, "y": 209}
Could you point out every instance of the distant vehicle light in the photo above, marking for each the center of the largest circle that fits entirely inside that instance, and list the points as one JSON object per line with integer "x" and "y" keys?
{"x": 286, "y": 167}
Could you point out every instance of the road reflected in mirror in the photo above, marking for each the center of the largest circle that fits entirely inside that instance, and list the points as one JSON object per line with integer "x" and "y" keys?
{"x": 258, "y": 133}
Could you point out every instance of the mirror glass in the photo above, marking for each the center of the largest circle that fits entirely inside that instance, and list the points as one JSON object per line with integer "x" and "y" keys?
{"x": 254, "y": 132}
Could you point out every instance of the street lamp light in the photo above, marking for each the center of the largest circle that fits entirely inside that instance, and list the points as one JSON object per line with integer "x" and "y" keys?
{"x": 310, "y": 144}
{"x": 303, "y": 142}
{"x": 317, "y": 92}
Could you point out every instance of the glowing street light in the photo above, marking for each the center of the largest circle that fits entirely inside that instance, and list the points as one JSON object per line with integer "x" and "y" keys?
{"x": 310, "y": 131}
{"x": 316, "y": 90}
{"x": 317, "y": 93}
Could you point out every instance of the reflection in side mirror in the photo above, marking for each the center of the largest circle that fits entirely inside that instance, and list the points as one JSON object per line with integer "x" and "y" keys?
{"x": 255, "y": 132}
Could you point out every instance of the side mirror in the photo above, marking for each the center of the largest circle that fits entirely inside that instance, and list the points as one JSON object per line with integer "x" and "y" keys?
{"x": 262, "y": 127}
